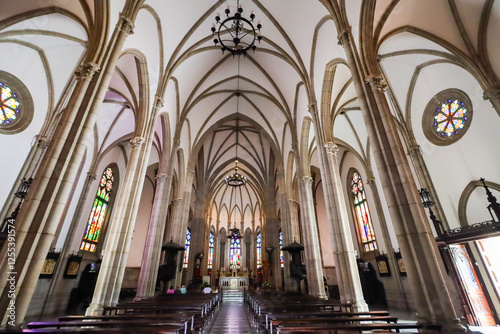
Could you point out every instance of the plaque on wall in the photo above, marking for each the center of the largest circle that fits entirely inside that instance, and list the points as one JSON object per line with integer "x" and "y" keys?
{"x": 49, "y": 265}
{"x": 401, "y": 264}
{"x": 73, "y": 266}
{"x": 383, "y": 265}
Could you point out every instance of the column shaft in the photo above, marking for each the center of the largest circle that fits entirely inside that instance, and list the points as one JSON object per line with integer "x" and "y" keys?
{"x": 154, "y": 238}
{"x": 312, "y": 251}
{"x": 345, "y": 256}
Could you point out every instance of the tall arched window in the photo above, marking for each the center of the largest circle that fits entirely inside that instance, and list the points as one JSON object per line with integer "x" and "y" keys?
{"x": 187, "y": 245}
{"x": 235, "y": 253}
{"x": 364, "y": 225}
{"x": 258, "y": 242}
{"x": 281, "y": 250}
{"x": 211, "y": 241}
{"x": 99, "y": 212}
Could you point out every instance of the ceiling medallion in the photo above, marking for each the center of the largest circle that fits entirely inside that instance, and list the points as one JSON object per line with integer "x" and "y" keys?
{"x": 235, "y": 33}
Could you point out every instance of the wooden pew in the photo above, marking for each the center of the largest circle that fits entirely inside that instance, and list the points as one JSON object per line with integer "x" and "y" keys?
{"x": 177, "y": 327}
{"x": 333, "y": 328}
{"x": 304, "y": 314}
{"x": 328, "y": 320}
{"x": 181, "y": 317}
{"x": 135, "y": 330}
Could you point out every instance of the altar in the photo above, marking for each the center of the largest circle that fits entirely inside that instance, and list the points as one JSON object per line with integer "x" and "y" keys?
{"x": 233, "y": 283}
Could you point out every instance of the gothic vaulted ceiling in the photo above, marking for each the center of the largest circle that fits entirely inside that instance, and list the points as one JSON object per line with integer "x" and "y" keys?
{"x": 210, "y": 97}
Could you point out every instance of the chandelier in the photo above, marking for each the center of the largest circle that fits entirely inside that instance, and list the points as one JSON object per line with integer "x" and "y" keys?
{"x": 236, "y": 179}
{"x": 236, "y": 34}
{"x": 234, "y": 233}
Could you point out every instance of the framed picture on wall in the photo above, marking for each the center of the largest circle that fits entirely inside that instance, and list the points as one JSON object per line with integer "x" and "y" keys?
{"x": 73, "y": 266}
{"x": 401, "y": 264}
{"x": 383, "y": 265}
{"x": 49, "y": 265}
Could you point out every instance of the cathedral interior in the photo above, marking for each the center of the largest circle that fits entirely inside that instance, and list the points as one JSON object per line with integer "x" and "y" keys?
{"x": 345, "y": 150}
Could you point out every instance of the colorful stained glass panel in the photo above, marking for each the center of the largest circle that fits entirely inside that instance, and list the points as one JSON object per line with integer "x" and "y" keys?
{"x": 364, "y": 224}
{"x": 187, "y": 245}
{"x": 98, "y": 213}
{"x": 235, "y": 253}
{"x": 258, "y": 242}
{"x": 450, "y": 118}
{"x": 281, "y": 251}
{"x": 9, "y": 105}
{"x": 211, "y": 242}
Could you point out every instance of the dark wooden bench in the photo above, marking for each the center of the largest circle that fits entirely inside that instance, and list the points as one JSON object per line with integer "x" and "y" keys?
{"x": 328, "y": 320}
{"x": 323, "y": 314}
{"x": 119, "y": 324}
{"x": 135, "y": 330}
{"x": 333, "y": 328}
{"x": 180, "y": 317}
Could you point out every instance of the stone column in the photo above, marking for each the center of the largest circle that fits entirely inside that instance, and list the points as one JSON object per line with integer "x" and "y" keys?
{"x": 310, "y": 235}
{"x": 393, "y": 262}
{"x": 109, "y": 281}
{"x": 425, "y": 269}
{"x": 180, "y": 226}
{"x": 61, "y": 263}
{"x": 345, "y": 256}
{"x": 46, "y": 201}
{"x": 154, "y": 238}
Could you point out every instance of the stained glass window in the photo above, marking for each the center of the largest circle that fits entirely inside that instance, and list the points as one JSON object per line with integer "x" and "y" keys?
{"x": 187, "y": 246}
{"x": 364, "y": 223}
{"x": 281, "y": 250}
{"x": 211, "y": 241}
{"x": 98, "y": 212}
{"x": 258, "y": 242}
{"x": 450, "y": 117}
{"x": 9, "y": 105}
{"x": 235, "y": 253}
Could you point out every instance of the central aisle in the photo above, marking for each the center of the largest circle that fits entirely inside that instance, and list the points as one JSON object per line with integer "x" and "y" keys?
{"x": 233, "y": 317}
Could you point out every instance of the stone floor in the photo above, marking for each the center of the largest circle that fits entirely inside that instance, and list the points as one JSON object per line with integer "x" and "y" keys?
{"x": 232, "y": 317}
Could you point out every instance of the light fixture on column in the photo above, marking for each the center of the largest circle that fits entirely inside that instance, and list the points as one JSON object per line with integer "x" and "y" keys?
{"x": 235, "y": 33}
{"x": 427, "y": 202}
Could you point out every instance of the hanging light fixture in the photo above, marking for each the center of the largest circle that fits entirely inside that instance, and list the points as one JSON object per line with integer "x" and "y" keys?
{"x": 235, "y": 33}
{"x": 236, "y": 179}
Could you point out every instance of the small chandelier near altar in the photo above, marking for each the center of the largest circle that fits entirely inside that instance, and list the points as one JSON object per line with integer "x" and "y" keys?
{"x": 235, "y": 33}
{"x": 234, "y": 233}
{"x": 235, "y": 179}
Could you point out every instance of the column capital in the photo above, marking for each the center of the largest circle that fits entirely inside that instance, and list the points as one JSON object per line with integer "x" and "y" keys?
{"x": 307, "y": 179}
{"x": 91, "y": 176}
{"x": 161, "y": 177}
{"x": 414, "y": 151}
{"x": 42, "y": 142}
{"x": 376, "y": 82}
{"x": 313, "y": 109}
{"x": 295, "y": 147}
{"x": 136, "y": 142}
{"x": 370, "y": 182}
{"x": 344, "y": 36}
{"x": 87, "y": 70}
{"x": 492, "y": 93}
{"x": 177, "y": 143}
{"x": 125, "y": 24}
{"x": 331, "y": 148}
{"x": 158, "y": 102}
{"x": 292, "y": 201}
